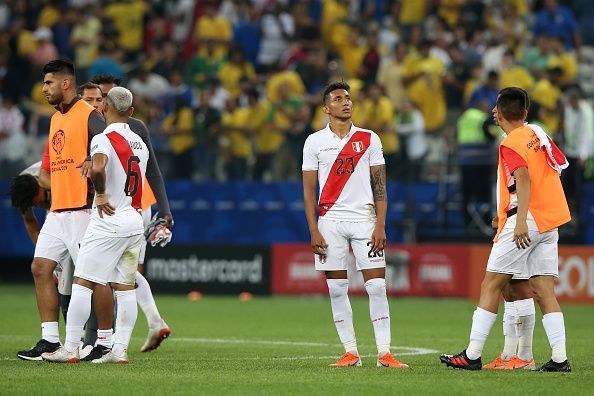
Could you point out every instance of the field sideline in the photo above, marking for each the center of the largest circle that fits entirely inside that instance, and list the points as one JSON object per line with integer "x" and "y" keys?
{"x": 282, "y": 345}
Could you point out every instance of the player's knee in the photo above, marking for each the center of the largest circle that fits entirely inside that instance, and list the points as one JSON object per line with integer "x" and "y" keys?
{"x": 376, "y": 287}
{"x": 338, "y": 288}
{"x": 41, "y": 269}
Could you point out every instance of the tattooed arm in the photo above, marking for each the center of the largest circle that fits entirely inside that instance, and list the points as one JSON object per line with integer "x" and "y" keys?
{"x": 378, "y": 184}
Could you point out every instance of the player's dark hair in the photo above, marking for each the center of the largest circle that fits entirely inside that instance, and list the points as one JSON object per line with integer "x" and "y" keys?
{"x": 23, "y": 189}
{"x": 512, "y": 102}
{"x": 87, "y": 85}
{"x": 106, "y": 79}
{"x": 334, "y": 87}
{"x": 59, "y": 66}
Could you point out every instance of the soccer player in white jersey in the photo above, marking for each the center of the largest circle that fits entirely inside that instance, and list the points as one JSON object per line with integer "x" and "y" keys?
{"x": 343, "y": 159}
{"x": 110, "y": 247}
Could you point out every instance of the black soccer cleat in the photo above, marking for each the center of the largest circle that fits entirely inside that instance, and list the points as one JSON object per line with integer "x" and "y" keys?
{"x": 42, "y": 346}
{"x": 97, "y": 352}
{"x": 550, "y": 366}
{"x": 461, "y": 361}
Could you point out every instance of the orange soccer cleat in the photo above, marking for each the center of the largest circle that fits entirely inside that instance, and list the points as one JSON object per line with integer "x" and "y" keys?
{"x": 346, "y": 360}
{"x": 516, "y": 363}
{"x": 388, "y": 360}
{"x": 496, "y": 364}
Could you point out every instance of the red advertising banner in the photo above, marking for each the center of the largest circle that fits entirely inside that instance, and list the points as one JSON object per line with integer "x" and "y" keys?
{"x": 411, "y": 270}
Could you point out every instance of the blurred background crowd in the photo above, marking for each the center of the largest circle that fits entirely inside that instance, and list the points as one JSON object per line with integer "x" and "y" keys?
{"x": 230, "y": 89}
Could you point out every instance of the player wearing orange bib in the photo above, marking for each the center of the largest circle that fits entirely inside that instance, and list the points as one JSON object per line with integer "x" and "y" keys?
{"x": 531, "y": 205}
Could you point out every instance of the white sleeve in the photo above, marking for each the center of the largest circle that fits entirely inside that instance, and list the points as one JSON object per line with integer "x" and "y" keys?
{"x": 310, "y": 157}
{"x": 100, "y": 144}
{"x": 376, "y": 151}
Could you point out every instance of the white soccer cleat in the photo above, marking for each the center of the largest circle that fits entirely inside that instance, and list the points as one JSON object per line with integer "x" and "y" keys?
{"x": 111, "y": 357}
{"x": 83, "y": 352}
{"x": 61, "y": 355}
{"x": 155, "y": 337}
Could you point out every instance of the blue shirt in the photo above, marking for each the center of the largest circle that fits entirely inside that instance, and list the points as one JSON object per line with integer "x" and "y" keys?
{"x": 560, "y": 22}
{"x": 483, "y": 93}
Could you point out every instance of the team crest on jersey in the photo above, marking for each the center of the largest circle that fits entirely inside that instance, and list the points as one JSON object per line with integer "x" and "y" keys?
{"x": 358, "y": 146}
{"x": 58, "y": 141}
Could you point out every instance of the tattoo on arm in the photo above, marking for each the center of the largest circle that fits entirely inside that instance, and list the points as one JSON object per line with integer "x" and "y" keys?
{"x": 98, "y": 179}
{"x": 378, "y": 182}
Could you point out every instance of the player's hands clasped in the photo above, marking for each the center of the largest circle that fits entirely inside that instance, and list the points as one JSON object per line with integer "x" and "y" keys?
{"x": 378, "y": 239}
{"x": 103, "y": 205}
{"x": 521, "y": 237}
{"x": 85, "y": 168}
{"x": 318, "y": 244}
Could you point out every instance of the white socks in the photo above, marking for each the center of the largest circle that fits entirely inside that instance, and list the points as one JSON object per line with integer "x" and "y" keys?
{"x": 510, "y": 331}
{"x": 78, "y": 314}
{"x": 147, "y": 302}
{"x": 105, "y": 338}
{"x": 126, "y": 318}
{"x": 342, "y": 313}
{"x": 526, "y": 317}
{"x": 555, "y": 328}
{"x": 482, "y": 321}
{"x": 50, "y": 332}
{"x": 379, "y": 313}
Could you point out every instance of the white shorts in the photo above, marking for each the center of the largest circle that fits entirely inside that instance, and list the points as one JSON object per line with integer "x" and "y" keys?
{"x": 107, "y": 259}
{"x": 65, "y": 272}
{"x": 146, "y": 219}
{"x": 540, "y": 258}
{"x": 339, "y": 235}
{"x": 61, "y": 234}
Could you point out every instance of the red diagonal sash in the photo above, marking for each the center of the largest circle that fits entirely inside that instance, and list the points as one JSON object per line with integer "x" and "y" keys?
{"x": 342, "y": 169}
{"x": 131, "y": 168}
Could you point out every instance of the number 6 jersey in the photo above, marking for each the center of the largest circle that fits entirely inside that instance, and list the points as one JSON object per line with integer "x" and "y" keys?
{"x": 343, "y": 172}
{"x": 127, "y": 156}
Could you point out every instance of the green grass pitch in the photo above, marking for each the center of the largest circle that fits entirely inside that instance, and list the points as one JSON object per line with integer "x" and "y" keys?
{"x": 282, "y": 346}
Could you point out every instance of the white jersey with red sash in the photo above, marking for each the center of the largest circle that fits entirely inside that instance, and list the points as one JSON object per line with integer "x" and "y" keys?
{"x": 127, "y": 156}
{"x": 343, "y": 172}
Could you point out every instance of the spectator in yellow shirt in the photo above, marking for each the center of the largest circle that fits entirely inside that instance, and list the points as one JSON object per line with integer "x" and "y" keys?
{"x": 390, "y": 75}
{"x": 128, "y": 17}
{"x": 514, "y": 75}
{"x": 179, "y": 126}
{"x": 423, "y": 79}
{"x": 563, "y": 59}
{"x": 211, "y": 26}
{"x": 377, "y": 114}
{"x": 234, "y": 70}
{"x": 547, "y": 94}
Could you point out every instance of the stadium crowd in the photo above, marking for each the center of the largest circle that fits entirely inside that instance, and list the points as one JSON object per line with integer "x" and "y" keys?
{"x": 230, "y": 89}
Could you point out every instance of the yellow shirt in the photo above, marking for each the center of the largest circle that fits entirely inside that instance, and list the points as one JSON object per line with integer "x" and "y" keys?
{"x": 412, "y": 12}
{"x": 39, "y": 98}
{"x": 218, "y": 29}
{"x": 379, "y": 117}
{"x": 230, "y": 74}
{"x": 26, "y": 43}
{"x": 240, "y": 141}
{"x": 288, "y": 77}
{"x": 352, "y": 55}
{"x": 567, "y": 63}
{"x": 180, "y": 142}
{"x": 334, "y": 23}
{"x": 129, "y": 20}
{"x": 85, "y": 54}
{"x": 547, "y": 95}
{"x": 390, "y": 77}
{"x": 48, "y": 16}
{"x": 469, "y": 88}
{"x": 427, "y": 91}
{"x": 270, "y": 135}
{"x": 516, "y": 76}
{"x": 449, "y": 10}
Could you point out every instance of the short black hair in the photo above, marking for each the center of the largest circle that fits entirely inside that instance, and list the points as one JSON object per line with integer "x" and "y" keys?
{"x": 59, "y": 66}
{"x": 106, "y": 79}
{"x": 334, "y": 87}
{"x": 512, "y": 102}
{"x": 88, "y": 85}
{"x": 23, "y": 189}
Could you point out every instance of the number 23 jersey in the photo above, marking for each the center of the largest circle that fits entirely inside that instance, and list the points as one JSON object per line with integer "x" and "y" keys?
{"x": 127, "y": 156}
{"x": 343, "y": 167}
